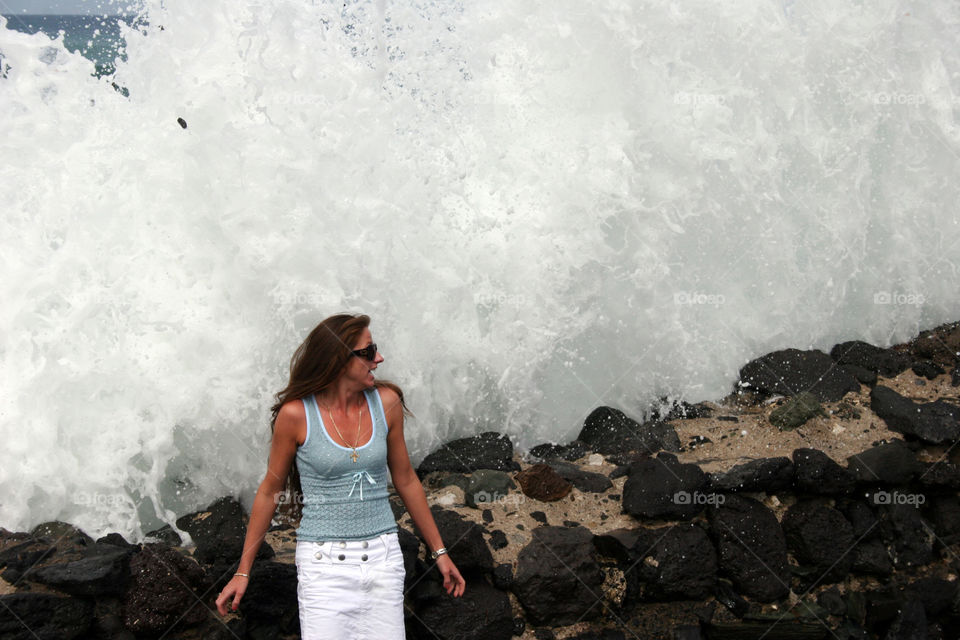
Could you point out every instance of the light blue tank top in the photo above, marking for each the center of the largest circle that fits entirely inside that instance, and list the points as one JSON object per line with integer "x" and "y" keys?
{"x": 344, "y": 500}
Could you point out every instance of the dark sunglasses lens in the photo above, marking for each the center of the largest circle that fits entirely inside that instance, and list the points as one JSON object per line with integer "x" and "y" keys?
{"x": 367, "y": 353}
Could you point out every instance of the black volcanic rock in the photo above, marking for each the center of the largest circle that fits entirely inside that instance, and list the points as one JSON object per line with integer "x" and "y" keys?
{"x": 752, "y": 549}
{"x": 940, "y": 476}
{"x": 164, "y": 588}
{"x": 908, "y": 536}
{"x": 886, "y": 362}
{"x": 464, "y": 540}
{"x": 831, "y": 600}
{"x": 872, "y": 558}
{"x": 936, "y": 594}
{"x": 943, "y": 513}
{"x": 62, "y": 534}
{"x": 670, "y": 563}
{"x": 608, "y": 430}
{"x": 616, "y": 634}
{"x": 23, "y": 554}
{"x": 821, "y": 538}
{"x": 927, "y": 369}
{"x": 410, "y": 548}
{"x": 486, "y": 486}
{"x": 570, "y": 451}
{"x": 680, "y": 410}
{"x": 728, "y": 597}
{"x": 498, "y": 539}
{"x": 483, "y": 612}
{"x": 881, "y": 607}
{"x": 663, "y": 488}
{"x": 103, "y": 571}
{"x": 116, "y": 540}
{"x": 271, "y": 597}
{"x": 28, "y": 616}
{"x": 165, "y": 535}
{"x": 218, "y": 531}
{"x": 861, "y": 517}
{"x": 765, "y": 474}
{"x": 892, "y": 464}
{"x": 796, "y": 411}
{"x": 587, "y": 481}
{"x": 815, "y": 472}
{"x": 863, "y": 376}
{"x": 910, "y": 624}
{"x": 620, "y": 543}
{"x": 557, "y": 576}
{"x": 941, "y": 345}
{"x": 934, "y": 422}
{"x": 489, "y": 450}
{"x": 791, "y": 371}
{"x": 679, "y": 564}
{"x": 503, "y": 576}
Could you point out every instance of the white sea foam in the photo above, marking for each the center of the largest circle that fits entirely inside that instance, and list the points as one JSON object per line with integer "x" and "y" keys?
{"x": 545, "y": 206}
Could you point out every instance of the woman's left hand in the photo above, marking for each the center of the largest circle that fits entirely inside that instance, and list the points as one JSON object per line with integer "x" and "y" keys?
{"x": 453, "y": 582}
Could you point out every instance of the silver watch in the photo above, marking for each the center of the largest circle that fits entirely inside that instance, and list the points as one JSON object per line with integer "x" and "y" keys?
{"x": 439, "y": 552}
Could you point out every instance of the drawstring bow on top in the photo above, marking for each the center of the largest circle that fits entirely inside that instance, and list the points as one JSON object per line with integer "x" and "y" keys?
{"x": 358, "y": 478}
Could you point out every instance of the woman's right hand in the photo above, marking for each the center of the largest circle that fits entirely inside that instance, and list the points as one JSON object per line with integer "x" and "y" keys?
{"x": 234, "y": 589}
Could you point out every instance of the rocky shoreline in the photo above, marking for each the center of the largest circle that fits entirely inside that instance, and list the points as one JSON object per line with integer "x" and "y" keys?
{"x": 818, "y": 500}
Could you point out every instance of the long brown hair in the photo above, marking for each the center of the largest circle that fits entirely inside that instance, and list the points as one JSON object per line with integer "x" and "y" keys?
{"x": 315, "y": 366}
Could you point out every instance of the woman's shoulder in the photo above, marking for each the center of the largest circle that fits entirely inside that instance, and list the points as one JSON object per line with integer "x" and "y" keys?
{"x": 391, "y": 399}
{"x": 291, "y": 421}
{"x": 292, "y": 409}
{"x": 388, "y": 393}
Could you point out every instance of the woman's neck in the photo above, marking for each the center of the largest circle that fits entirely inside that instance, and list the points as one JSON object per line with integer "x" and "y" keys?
{"x": 339, "y": 398}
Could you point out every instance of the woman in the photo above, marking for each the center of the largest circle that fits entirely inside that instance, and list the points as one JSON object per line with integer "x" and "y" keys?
{"x": 349, "y": 565}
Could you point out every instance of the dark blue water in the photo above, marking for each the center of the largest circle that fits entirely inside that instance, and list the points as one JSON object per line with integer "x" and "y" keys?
{"x": 97, "y": 38}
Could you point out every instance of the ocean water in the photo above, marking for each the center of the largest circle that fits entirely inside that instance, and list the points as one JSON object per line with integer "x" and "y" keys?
{"x": 96, "y": 37}
{"x": 544, "y": 206}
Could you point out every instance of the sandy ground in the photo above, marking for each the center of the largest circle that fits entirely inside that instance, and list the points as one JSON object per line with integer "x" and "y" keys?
{"x": 839, "y": 434}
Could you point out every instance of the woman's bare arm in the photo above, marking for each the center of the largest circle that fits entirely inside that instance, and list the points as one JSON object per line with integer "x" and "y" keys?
{"x": 410, "y": 490}
{"x": 288, "y": 431}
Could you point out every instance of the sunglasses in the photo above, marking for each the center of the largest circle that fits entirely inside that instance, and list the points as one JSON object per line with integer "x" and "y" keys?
{"x": 367, "y": 353}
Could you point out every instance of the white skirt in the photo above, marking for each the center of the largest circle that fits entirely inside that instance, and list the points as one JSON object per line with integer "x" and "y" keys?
{"x": 351, "y": 589}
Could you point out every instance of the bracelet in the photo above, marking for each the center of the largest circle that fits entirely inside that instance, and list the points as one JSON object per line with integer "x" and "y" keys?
{"x": 242, "y": 575}
{"x": 439, "y": 552}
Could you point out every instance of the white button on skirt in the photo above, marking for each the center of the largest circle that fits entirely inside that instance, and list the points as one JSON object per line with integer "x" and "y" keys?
{"x": 351, "y": 589}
